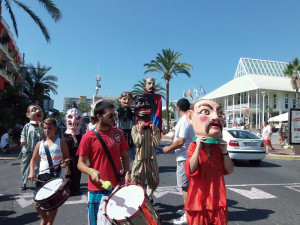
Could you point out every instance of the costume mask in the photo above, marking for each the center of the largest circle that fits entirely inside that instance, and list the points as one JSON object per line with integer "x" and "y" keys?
{"x": 35, "y": 113}
{"x": 150, "y": 85}
{"x": 206, "y": 118}
{"x": 126, "y": 99}
{"x": 143, "y": 106}
{"x": 73, "y": 119}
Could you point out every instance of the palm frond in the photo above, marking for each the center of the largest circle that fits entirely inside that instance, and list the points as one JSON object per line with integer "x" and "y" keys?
{"x": 52, "y": 9}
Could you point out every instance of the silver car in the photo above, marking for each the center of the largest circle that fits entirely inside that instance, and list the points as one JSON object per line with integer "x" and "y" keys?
{"x": 244, "y": 145}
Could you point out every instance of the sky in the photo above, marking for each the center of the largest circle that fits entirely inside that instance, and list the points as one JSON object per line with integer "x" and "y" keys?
{"x": 115, "y": 38}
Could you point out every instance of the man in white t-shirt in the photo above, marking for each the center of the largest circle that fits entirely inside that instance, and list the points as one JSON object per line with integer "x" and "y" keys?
{"x": 184, "y": 134}
{"x": 266, "y": 136}
{"x": 7, "y": 143}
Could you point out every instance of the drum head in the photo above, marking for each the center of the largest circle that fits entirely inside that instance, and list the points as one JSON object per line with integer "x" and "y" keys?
{"x": 125, "y": 202}
{"x": 48, "y": 189}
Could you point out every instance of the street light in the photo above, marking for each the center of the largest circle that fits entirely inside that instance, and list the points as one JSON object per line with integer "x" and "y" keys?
{"x": 263, "y": 111}
{"x": 98, "y": 79}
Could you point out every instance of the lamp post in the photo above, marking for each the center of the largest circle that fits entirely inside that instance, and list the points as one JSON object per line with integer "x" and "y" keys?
{"x": 98, "y": 79}
{"x": 263, "y": 111}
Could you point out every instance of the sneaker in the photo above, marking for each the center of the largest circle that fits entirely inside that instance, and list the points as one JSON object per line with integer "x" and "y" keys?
{"x": 180, "y": 220}
{"x": 180, "y": 212}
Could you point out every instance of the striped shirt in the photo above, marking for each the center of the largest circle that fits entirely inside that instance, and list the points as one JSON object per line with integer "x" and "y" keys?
{"x": 145, "y": 143}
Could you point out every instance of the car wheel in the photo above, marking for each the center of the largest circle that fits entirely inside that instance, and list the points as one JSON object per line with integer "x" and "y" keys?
{"x": 255, "y": 162}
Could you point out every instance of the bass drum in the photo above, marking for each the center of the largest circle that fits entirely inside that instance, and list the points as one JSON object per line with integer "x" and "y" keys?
{"x": 53, "y": 193}
{"x": 128, "y": 205}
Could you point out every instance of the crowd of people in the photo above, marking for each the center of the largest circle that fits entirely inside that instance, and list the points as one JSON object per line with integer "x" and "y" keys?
{"x": 119, "y": 147}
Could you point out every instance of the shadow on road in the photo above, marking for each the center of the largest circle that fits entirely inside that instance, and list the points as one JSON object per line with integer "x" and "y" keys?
{"x": 166, "y": 169}
{"x": 167, "y": 212}
{"x": 26, "y": 218}
{"x": 246, "y": 214}
{"x": 246, "y": 163}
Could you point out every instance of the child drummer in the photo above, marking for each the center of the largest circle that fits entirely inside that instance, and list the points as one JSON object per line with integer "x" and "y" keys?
{"x": 59, "y": 152}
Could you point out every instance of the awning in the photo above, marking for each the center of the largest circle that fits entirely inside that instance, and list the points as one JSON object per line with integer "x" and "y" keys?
{"x": 280, "y": 118}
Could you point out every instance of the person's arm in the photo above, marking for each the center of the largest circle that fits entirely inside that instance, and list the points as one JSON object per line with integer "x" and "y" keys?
{"x": 126, "y": 165}
{"x": 33, "y": 161}
{"x": 194, "y": 161}
{"x": 228, "y": 164}
{"x": 65, "y": 152}
{"x": 94, "y": 174}
{"x": 176, "y": 145}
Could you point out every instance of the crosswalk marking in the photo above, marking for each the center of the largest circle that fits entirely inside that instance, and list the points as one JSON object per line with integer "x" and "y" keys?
{"x": 254, "y": 193}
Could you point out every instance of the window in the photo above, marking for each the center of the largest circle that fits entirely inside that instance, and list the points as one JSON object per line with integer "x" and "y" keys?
{"x": 294, "y": 101}
{"x": 286, "y": 101}
{"x": 274, "y": 101}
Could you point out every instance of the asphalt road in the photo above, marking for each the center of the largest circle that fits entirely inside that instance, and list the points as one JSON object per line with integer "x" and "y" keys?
{"x": 268, "y": 194}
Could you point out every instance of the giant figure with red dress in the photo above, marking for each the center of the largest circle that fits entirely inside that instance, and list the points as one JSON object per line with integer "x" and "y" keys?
{"x": 157, "y": 116}
{"x": 206, "y": 164}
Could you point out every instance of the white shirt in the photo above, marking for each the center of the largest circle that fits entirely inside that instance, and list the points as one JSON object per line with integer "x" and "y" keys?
{"x": 3, "y": 140}
{"x": 266, "y": 131}
{"x": 184, "y": 130}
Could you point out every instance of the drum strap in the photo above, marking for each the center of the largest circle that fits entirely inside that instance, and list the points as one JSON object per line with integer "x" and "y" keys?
{"x": 107, "y": 154}
{"x": 49, "y": 158}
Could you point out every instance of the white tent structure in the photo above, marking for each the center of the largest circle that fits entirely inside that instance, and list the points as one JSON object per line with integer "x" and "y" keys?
{"x": 280, "y": 118}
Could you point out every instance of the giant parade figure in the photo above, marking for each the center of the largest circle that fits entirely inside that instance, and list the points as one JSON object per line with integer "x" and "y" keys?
{"x": 206, "y": 164}
{"x": 73, "y": 137}
{"x": 157, "y": 115}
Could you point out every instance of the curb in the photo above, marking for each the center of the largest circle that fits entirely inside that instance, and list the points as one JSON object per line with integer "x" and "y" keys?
{"x": 294, "y": 157}
{"x": 8, "y": 158}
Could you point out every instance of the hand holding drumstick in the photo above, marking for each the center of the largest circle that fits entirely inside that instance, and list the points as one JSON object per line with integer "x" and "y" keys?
{"x": 96, "y": 177}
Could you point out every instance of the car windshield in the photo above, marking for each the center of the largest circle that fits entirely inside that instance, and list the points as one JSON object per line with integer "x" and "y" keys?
{"x": 242, "y": 134}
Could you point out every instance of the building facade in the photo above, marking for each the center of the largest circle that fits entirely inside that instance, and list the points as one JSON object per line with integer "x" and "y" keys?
{"x": 259, "y": 86}
{"x": 10, "y": 59}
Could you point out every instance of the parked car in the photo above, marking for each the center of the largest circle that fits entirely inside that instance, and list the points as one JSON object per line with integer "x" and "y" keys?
{"x": 244, "y": 145}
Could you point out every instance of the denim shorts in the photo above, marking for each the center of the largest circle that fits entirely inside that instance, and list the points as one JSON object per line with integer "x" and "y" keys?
{"x": 182, "y": 180}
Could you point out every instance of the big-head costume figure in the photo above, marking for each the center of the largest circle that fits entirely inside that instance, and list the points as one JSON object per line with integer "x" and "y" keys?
{"x": 73, "y": 137}
{"x": 31, "y": 134}
{"x": 146, "y": 136}
{"x": 125, "y": 120}
{"x": 206, "y": 164}
{"x": 157, "y": 115}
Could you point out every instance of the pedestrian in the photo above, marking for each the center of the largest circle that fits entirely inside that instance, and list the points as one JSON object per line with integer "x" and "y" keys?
{"x": 266, "y": 135}
{"x": 100, "y": 168}
{"x": 184, "y": 134}
{"x": 125, "y": 120}
{"x": 247, "y": 127}
{"x": 206, "y": 164}
{"x": 259, "y": 133}
{"x": 146, "y": 137}
{"x": 58, "y": 153}
{"x": 31, "y": 134}
{"x": 92, "y": 124}
{"x": 72, "y": 136}
{"x": 7, "y": 144}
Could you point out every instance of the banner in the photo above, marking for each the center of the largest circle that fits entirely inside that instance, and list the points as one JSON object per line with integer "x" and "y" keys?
{"x": 190, "y": 94}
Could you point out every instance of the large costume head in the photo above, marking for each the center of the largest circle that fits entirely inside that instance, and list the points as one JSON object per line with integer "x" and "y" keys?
{"x": 35, "y": 113}
{"x": 143, "y": 106}
{"x": 206, "y": 118}
{"x": 126, "y": 99}
{"x": 150, "y": 85}
{"x": 73, "y": 119}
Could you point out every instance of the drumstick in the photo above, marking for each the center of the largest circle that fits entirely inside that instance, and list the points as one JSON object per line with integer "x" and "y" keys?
{"x": 106, "y": 184}
{"x": 38, "y": 180}
{"x": 58, "y": 164}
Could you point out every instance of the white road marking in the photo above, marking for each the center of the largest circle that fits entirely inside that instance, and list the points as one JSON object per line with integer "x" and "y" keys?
{"x": 24, "y": 199}
{"x": 250, "y": 185}
{"x": 294, "y": 187}
{"x": 254, "y": 193}
{"x": 161, "y": 191}
{"x": 82, "y": 200}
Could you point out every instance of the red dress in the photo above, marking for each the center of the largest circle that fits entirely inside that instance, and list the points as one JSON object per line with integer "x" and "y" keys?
{"x": 206, "y": 201}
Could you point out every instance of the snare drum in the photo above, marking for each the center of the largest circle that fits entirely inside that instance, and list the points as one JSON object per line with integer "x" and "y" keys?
{"x": 53, "y": 193}
{"x": 128, "y": 205}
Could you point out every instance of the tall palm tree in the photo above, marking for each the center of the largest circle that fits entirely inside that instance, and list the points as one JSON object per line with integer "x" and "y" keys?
{"x": 47, "y": 4}
{"x": 168, "y": 64}
{"x": 39, "y": 84}
{"x": 140, "y": 88}
{"x": 291, "y": 71}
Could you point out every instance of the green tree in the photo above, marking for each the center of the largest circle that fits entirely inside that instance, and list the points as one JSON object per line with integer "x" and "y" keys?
{"x": 172, "y": 107}
{"x": 291, "y": 71}
{"x": 168, "y": 64}
{"x": 140, "y": 88}
{"x": 38, "y": 85}
{"x": 51, "y": 8}
{"x": 83, "y": 107}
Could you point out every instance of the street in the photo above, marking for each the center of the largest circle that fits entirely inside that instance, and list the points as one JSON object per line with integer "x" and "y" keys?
{"x": 268, "y": 194}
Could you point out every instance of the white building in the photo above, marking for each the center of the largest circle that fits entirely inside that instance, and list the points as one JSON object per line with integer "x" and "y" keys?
{"x": 258, "y": 85}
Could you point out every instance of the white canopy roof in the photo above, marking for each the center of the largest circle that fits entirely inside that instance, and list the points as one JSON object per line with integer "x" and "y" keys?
{"x": 280, "y": 118}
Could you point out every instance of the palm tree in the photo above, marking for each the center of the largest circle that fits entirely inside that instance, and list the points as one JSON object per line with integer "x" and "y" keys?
{"x": 168, "y": 64}
{"x": 140, "y": 88}
{"x": 47, "y": 4}
{"x": 38, "y": 84}
{"x": 292, "y": 72}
